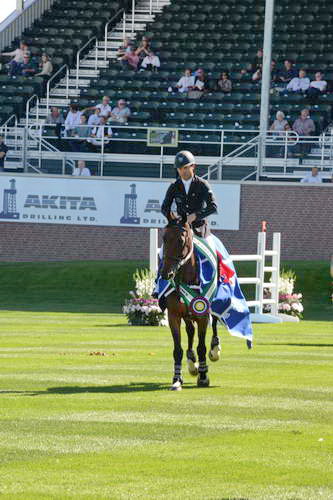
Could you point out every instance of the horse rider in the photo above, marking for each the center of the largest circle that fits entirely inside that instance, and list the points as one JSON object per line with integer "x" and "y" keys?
{"x": 190, "y": 198}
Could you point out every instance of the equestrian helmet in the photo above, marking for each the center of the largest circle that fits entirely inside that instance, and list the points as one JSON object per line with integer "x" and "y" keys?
{"x": 184, "y": 158}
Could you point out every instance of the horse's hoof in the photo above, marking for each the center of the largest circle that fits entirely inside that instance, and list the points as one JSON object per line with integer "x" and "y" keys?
{"x": 203, "y": 380}
{"x": 192, "y": 367}
{"x": 215, "y": 353}
{"x": 176, "y": 385}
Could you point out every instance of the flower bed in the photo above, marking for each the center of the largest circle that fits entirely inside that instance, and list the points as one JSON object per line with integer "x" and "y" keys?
{"x": 141, "y": 309}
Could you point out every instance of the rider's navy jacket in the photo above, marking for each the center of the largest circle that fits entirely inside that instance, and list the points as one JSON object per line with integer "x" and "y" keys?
{"x": 200, "y": 200}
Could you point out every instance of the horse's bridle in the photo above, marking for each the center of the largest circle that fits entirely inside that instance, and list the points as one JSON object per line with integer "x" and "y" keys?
{"x": 181, "y": 261}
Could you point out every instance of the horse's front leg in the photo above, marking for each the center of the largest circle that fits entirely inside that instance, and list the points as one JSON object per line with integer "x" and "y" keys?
{"x": 215, "y": 346}
{"x": 174, "y": 323}
{"x": 203, "y": 380}
{"x": 190, "y": 354}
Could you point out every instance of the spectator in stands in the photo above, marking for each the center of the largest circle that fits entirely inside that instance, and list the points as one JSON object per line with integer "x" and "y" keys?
{"x": 95, "y": 118}
{"x": 124, "y": 48}
{"x": 3, "y": 152}
{"x": 300, "y": 83}
{"x": 130, "y": 59}
{"x": 317, "y": 86}
{"x": 55, "y": 118}
{"x": 144, "y": 48}
{"x": 46, "y": 66}
{"x": 151, "y": 62}
{"x": 313, "y": 177}
{"x": 186, "y": 82}
{"x": 200, "y": 85}
{"x": 81, "y": 169}
{"x": 224, "y": 84}
{"x": 72, "y": 119}
{"x": 304, "y": 127}
{"x": 121, "y": 112}
{"x": 98, "y": 132}
{"x": 28, "y": 67}
{"x": 104, "y": 107}
{"x": 278, "y": 126}
{"x": 17, "y": 61}
{"x": 256, "y": 63}
{"x": 81, "y": 134}
{"x": 46, "y": 70}
{"x": 257, "y": 75}
{"x": 274, "y": 71}
{"x": 287, "y": 73}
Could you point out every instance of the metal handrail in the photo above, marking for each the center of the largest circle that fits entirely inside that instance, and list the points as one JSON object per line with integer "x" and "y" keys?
{"x": 106, "y": 27}
{"x": 50, "y": 80}
{"x": 27, "y": 108}
{"x": 78, "y": 59}
{"x": 5, "y": 126}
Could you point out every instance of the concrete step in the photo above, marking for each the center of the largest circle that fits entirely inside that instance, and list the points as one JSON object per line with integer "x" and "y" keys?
{"x": 90, "y": 64}
{"x": 316, "y": 162}
{"x": 55, "y": 101}
{"x": 72, "y": 82}
{"x": 85, "y": 72}
{"x": 140, "y": 17}
{"x": 62, "y": 92}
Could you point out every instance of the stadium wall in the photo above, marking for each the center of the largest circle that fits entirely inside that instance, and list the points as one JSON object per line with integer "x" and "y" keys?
{"x": 303, "y": 214}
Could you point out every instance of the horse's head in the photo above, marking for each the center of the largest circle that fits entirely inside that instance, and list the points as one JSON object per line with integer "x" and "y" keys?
{"x": 177, "y": 248}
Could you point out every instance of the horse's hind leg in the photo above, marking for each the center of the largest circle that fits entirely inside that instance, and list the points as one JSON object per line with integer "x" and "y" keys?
{"x": 203, "y": 380}
{"x": 215, "y": 346}
{"x": 190, "y": 354}
{"x": 177, "y": 381}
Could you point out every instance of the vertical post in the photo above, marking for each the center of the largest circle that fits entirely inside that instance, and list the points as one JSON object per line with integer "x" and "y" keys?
{"x": 150, "y": 7}
{"x": 266, "y": 82}
{"x": 67, "y": 82}
{"x": 260, "y": 274}
{"x": 77, "y": 70}
{"x": 105, "y": 39}
{"x": 96, "y": 55}
{"x": 102, "y": 152}
{"x": 222, "y": 144}
{"x": 133, "y": 15}
{"x": 322, "y": 155}
{"x": 161, "y": 162}
{"x": 24, "y": 153}
{"x": 40, "y": 146}
{"x": 276, "y": 272}
{"x": 19, "y": 5}
{"x": 124, "y": 24}
{"x": 153, "y": 249}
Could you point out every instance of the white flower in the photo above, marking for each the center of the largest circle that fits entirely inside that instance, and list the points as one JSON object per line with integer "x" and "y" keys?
{"x": 285, "y": 307}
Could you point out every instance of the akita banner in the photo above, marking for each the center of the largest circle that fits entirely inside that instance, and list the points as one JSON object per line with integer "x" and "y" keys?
{"x": 101, "y": 202}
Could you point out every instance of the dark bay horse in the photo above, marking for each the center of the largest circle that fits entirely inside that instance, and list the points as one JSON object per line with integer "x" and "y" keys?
{"x": 179, "y": 264}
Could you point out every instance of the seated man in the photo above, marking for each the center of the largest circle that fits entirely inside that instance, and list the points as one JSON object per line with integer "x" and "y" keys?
{"x": 28, "y": 67}
{"x": 72, "y": 119}
{"x": 56, "y": 119}
{"x": 313, "y": 177}
{"x": 81, "y": 169}
{"x": 300, "y": 83}
{"x": 304, "y": 127}
{"x": 186, "y": 82}
{"x": 81, "y": 134}
{"x": 95, "y": 118}
{"x": 121, "y": 112}
{"x": 317, "y": 86}
{"x": 287, "y": 73}
{"x": 102, "y": 130}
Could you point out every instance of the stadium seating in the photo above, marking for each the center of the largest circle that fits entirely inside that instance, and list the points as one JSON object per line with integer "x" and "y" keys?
{"x": 211, "y": 34}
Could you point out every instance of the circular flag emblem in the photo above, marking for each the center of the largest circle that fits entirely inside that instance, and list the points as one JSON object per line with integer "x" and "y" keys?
{"x": 199, "y": 306}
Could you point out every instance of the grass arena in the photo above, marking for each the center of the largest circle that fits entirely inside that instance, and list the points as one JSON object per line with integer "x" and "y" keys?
{"x": 86, "y": 411}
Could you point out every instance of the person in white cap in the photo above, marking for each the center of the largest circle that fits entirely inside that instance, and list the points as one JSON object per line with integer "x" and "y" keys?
{"x": 190, "y": 198}
{"x": 121, "y": 112}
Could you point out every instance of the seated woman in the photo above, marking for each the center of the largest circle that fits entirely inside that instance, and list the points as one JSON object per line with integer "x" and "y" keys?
{"x": 277, "y": 128}
{"x": 151, "y": 62}
{"x": 130, "y": 58}
{"x": 124, "y": 48}
{"x": 144, "y": 48}
{"x": 224, "y": 84}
